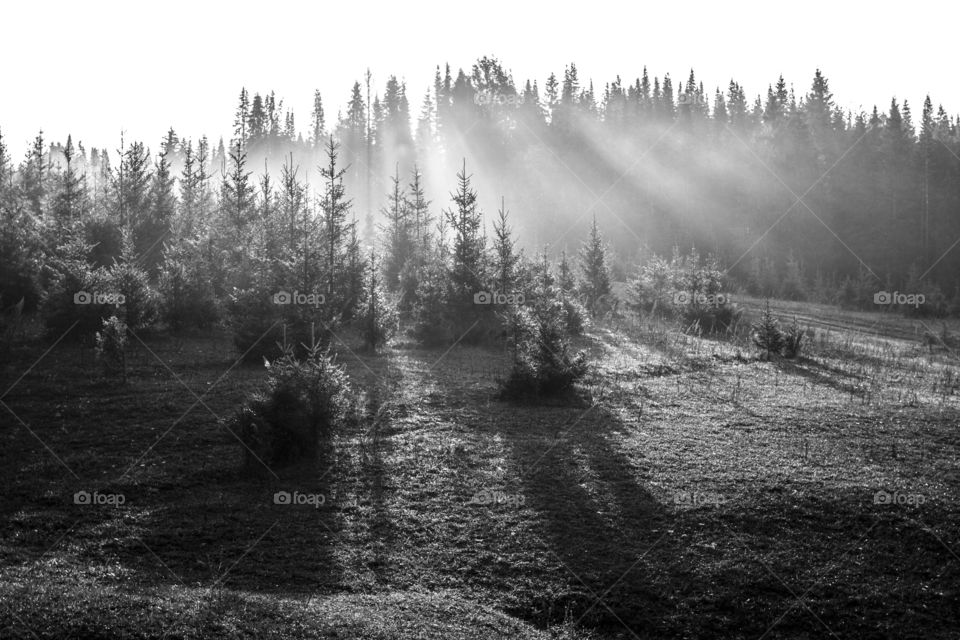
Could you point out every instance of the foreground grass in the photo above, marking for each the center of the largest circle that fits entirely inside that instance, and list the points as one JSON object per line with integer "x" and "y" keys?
{"x": 693, "y": 492}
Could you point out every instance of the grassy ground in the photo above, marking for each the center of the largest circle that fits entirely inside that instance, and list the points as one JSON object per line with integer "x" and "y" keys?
{"x": 693, "y": 491}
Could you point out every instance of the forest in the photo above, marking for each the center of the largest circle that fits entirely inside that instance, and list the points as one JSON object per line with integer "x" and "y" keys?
{"x": 494, "y": 359}
{"x": 794, "y": 196}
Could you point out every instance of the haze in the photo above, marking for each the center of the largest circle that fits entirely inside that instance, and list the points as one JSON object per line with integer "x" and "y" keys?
{"x": 95, "y": 68}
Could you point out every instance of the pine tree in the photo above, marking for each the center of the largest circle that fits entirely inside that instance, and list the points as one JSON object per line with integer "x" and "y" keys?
{"x": 419, "y": 208}
{"x": 425, "y": 126}
{"x": 236, "y": 196}
{"x": 71, "y": 199}
{"x": 189, "y": 194}
{"x": 6, "y": 173}
{"x": 317, "y": 131}
{"x": 506, "y": 259}
{"x": 595, "y": 286}
{"x": 553, "y": 96}
{"x": 335, "y": 207}
{"x": 156, "y": 225}
{"x": 465, "y": 219}
{"x": 131, "y": 186}
{"x": 241, "y": 118}
{"x": 398, "y": 234}
{"x": 34, "y": 177}
{"x": 377, "y": 319}
{"x": 566, "y": 279}
{"x": 766, "y": 333}
{"x": 293, "y": 210}
{"x": 257, "y": 124}
{"x": 204, "y": 193}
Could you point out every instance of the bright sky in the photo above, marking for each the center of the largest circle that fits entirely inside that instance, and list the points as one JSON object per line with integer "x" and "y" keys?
{"x": 93, "y": 68}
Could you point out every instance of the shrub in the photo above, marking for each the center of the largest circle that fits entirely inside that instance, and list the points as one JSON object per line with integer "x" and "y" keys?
{"x": 111, "y": 341}
{"x": 686, "y": 288}
{"x": 303, "y": 401}
{"x": 767, "y": 334}
{"x": 792, "y": 341}
{"x": 543, "y": 362}
{"x": 653, "y": 288}
{"x": 711, "y": 318}
{"x": 595, "y": 288}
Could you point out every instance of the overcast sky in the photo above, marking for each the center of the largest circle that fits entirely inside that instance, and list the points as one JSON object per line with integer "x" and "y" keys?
{"x": 93, "y": 68}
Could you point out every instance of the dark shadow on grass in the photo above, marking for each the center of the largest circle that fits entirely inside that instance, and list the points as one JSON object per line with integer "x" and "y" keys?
{"x": 596, "y": 518}
{"x": 821, "y": 373}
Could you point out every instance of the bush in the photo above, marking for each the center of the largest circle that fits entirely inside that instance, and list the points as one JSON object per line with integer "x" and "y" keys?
{"x": 303, "y": 401}
{"x": 767, "y": 334}
{"x": 685, "y": 288}
{"x": 111, "y": 341}
{"x": 543, "y": 362}
{"x": 653, "y": 288}
{"x": 711, "y": 318}
{"x": 792, "y": 341}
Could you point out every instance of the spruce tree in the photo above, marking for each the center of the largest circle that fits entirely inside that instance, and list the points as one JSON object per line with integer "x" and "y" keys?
{"x": 595, "y": 286}
{"x": 317, "y": 130}
{"x": 71, "y": 199}
{"x": 237, "y": 194}
{"x": 419, "y": 208}
{"x": 335, "y": 208}
{"x": 156, "y": 226}
{"x": 465, "y": 219}
{"x": 506, "y": 260}
{"x": 398, "y": 233}
{"x": 33, "y": 177}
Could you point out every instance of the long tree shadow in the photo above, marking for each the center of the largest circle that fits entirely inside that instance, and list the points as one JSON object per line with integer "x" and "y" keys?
{"x": 596, "y": 516}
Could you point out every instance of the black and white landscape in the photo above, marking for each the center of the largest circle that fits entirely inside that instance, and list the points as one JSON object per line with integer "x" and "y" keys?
{"x": 403, "y": 322}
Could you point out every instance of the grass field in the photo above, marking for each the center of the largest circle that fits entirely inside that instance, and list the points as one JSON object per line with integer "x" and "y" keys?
{"x": 692, "y": 491}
